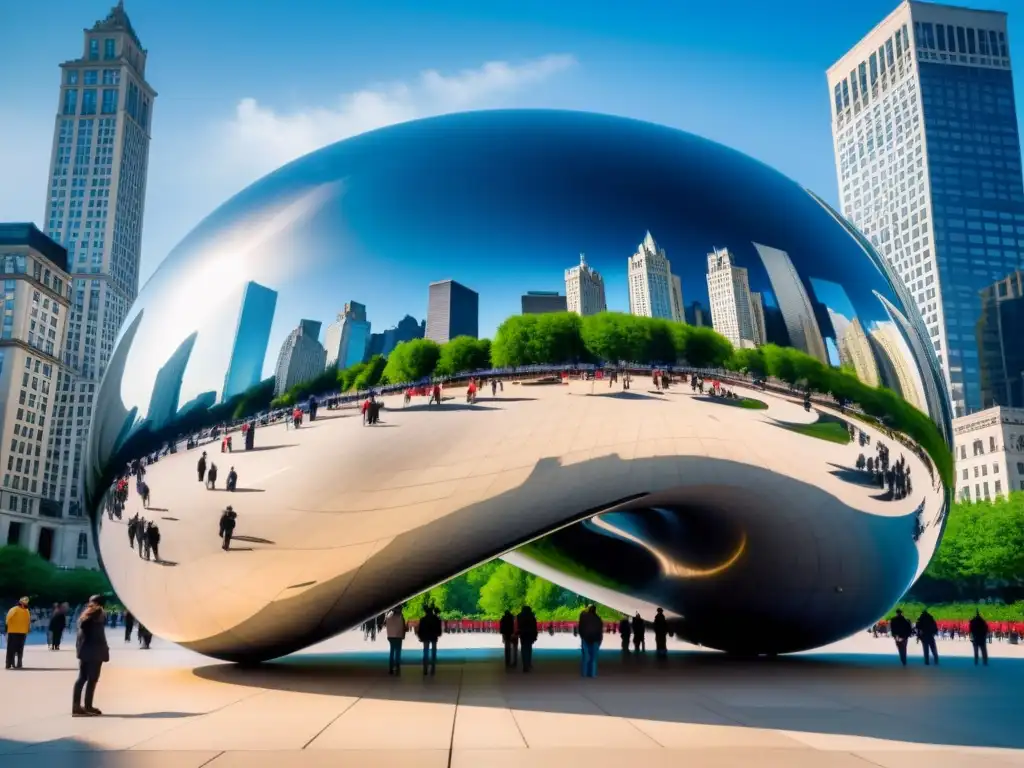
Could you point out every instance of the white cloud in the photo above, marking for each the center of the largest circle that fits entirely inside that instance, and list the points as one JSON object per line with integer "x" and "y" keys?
{"x": 259, "y": 139}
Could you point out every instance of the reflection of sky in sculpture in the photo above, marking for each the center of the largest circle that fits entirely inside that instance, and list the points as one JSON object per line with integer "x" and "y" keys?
{"x": 503, "y": 202}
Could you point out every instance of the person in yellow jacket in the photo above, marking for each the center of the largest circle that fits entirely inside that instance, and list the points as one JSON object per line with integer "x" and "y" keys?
{"x": 19, "y": 622}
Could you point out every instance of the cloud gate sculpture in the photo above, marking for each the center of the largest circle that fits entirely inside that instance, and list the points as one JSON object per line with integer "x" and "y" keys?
{"x": 761, "y": 521}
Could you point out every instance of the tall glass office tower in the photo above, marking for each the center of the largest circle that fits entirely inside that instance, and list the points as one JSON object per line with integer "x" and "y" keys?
{"x": 249, "y": 348}
{"x": 927, "y": 153}
{"x": 94, "y": 206}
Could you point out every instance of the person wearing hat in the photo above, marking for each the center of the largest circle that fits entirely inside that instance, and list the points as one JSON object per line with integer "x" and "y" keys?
{"x": 19, "y": 622}
{"x": 92, "y": 650}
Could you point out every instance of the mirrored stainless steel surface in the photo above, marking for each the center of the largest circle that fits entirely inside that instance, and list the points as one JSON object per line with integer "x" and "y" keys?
{"x": 749, "y": 519}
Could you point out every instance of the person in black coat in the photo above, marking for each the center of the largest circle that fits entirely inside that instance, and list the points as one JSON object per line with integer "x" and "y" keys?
{"x": 625, "y": 632}
{"x": 901, "y": 630}
{"x": 639, "y": 632}
{"x": 129, "y": 625}
{"x": 527, "y": 624}
{"x": 201, "y": 467}
{"x": 661, "y": 634}
{"x": 92, "y": 652}
{"x": 979, "y": 638}
{"x": 58, "y": 623}
{"x": 429, "y": 631}
{"x": 507, "y": 627}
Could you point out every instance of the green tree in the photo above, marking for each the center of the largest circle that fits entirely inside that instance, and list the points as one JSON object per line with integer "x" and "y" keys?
{"x": 706, "y": 348}
{"x": 606, "y": 338}
{"x": 505, "y": 590}
{"x": 26, "y": 574}
{"x": 370, "y": 373}
{"x": 511, "y": 345}
{"x": 556, "y": 338}
{"x": 464, "y": 354}
{"x": 411, "y": 361}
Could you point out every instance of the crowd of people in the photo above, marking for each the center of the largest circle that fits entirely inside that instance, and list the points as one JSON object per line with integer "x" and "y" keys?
{"x": 926, "y": 629}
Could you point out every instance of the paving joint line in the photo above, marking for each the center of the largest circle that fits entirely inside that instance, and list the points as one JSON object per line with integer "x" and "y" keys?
{"x": 207, "y": 762}
{"x": 335, "y": 719}
{"x": 455, "y": 714}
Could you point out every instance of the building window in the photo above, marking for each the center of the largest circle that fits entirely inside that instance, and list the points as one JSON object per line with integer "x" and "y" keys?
{"x": 71, "y": 77}
{"x": 89, "y": 102}
{"x": 992, "y": 444}
{"x": 83, "y": 546}
{"x": 979, "y": 448}
{"x": 94, "y": 50}
{"x": 108, "y": 48}
{"x": 999, "y": 487}
{"x": 109, "y": 102}
{"x": 70, "y": 101}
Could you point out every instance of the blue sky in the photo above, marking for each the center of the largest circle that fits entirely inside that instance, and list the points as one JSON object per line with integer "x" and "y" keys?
{"x": 244, "y": 86}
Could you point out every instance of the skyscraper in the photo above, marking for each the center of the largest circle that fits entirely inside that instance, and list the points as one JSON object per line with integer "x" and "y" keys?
{"x": 408, "y": 328}
{"x": 163, "y": 403}
{"x": 653, "y": 290}
{"x": 452, "y": 310}
{"x": 1000, "y": 335}
{"x": 542, "y": 302}
{"x": 252, "y": 335}
{"x": 302, "y": 357}
{"x": 732, "y": 311}
{"x": 34, "y": 298}
{"x": 584, "y": 289}
{"x": 928, "y": 159}
{"x": 793, "y": 302}
{"x": 347, "y": 339}
{"x": 95, "y": 201}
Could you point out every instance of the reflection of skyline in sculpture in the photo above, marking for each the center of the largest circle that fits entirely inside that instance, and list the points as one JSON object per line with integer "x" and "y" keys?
{"x": 732, "y": 310}
{"x": 347, "y": 339}
{"x": 408, "y": 329}
{"x": 584, "y": 289}
{"x": 452, "y": 310}
{"x": 852, "y": 346}
{"x": 931, "y": 386}
{"x": 653, "y": 290}
{"x": 1000, "y": 333}
{"x": 855, "y": 349}
{"x": 302, "y": 357}
{"x": 697, "y": 315}
{"x": 252, "y": 335}
{"x": 793, "y": 302}
{"x": 892, "y": 352}
{"x": 163, "y": 403}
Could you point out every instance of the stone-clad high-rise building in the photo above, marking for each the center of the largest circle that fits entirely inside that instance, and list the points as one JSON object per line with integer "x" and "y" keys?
{"x": 94, "y": 207}
{"x": 584, "y": 289}
{"x": 928, "y": 156}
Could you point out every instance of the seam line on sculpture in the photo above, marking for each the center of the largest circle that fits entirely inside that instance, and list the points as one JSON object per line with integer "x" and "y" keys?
{"x": 334, "y": 719}
{"x": 207, "y": 762}
{"x": 455, "y": 714}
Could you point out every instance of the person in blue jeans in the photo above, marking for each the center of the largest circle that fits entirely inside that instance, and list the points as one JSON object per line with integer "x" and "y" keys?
{"x": 396, "y": 629}
{"x": 429, "y": 632}
{"x": 591, "y": 631}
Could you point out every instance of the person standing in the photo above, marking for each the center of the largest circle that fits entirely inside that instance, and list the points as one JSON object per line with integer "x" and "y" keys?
{"x": 396, "y": 628}
{"x": 92, "y": 651}
{"x": 900, "y": 629}
{"x": 507, "y": 628}
{"x": 129, "y": 624}
{"x": 201, "y": 467}
{"x": 591, "y": 631}
{"x": 153, "y": 540}
{"x": 58, "y": 623}
{"x": 19, "y": 623}
{"x": 927, "y": 629}
{"x": 227, "y": 527}
{"x": 639, "y": 634}
{"x": 625, "y": 632}
{"x": 429, "y": 631}
{"x": 526, "y": 624}
{"x": 978, "y": 628}
{"x": 661, "y": 634}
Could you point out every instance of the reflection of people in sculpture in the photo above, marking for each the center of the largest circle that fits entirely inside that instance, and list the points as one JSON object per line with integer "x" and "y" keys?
{"x": 153, "y": 539}
{"x": 144, "y": 493}
{"x": 232, "y": 479}
{"x": 227, "y": 527}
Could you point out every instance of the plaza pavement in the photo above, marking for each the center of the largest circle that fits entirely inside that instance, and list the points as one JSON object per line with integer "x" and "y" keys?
{"x": 847, "y": 706}
{"x": 316, "y": 503}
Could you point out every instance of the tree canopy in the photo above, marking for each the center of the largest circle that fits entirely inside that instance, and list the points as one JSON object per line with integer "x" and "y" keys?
{"x": 412, "y": 361}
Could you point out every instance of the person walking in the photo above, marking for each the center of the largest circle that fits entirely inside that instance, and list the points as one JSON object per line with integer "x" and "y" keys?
{"x": 396, "y": 628}
{"x": 978, "y": 629}
{"x": 58, "y": 623}
{"x": 900, "y": 629}
{"x": 19, "y": 623}
{"x": 227, "y": 527}
{"x": 129, "y": 624}
{"x": 591, "y": 631}
{"x": 927, "y": 629}
{"x": 153, "y": 540}
{"x": 92, "y": 651}
{"x": 526, "y": 625}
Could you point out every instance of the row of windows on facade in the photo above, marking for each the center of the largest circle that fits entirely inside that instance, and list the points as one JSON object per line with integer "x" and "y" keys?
{"x": 20, "y": 264}
{"x": 884, "y": 61}
{"x": 964, "y": 41}
{"x": 981, "y": 491}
